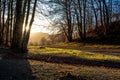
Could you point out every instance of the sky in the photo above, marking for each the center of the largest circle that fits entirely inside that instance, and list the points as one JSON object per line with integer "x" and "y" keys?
{"x": 40, "y": 26}
{"x": 41, "y": 22}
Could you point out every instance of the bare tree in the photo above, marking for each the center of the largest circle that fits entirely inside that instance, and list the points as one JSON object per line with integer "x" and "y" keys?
{"x": 8, "y": 26}
{"x": 16, "y": 42}
{"x": 0, "y": 25}
{"x": 29, "y": 27}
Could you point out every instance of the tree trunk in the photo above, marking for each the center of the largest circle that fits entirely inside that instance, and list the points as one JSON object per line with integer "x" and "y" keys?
{"x": 68, "y": 18}
{"x": 7, "y": 27}
{"x": 30, "y": 25}
{"x": 3, "y": 22}
{"x": 79, "y": 20}
{"x": 17, "y": 32}
{"x": 11, "y": 21}
{"x": 84, "y": 19}
{"x": 0, "y": 26}
{"x": 26, "y": 23}
{"x": 106, "y": 17}
{"x": 101, "y": 19}
{"x": 96, "y": 19}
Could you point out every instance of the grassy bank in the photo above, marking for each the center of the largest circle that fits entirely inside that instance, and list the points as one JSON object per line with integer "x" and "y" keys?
{"x": 73, "y": 57}
{"x": 81, "y": 65}
{"x": 70, "y": 52}
{"x": 76, "y": 45}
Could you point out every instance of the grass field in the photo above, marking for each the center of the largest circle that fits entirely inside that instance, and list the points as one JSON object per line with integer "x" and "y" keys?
{"x": 90, "y": 66}
{"x": 76, "y": 45}
{"x": 52, "y": 71}
{"x": 71, "y": 52}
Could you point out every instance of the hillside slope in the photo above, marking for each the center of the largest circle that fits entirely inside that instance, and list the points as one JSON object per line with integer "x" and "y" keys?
{"x": 36, "y": 37}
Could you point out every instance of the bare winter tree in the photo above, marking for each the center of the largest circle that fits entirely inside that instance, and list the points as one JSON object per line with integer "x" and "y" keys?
{"x": 69, "y": 17}
{"x": 16, "y": 42}
{"x": 14, "y": 18}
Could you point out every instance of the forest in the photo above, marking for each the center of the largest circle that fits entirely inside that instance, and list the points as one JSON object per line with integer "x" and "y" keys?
{"x": 83, "y": 44}
{"x": 75, "y": 19}
{"x": 15, "y": 22}
{"x": 80, "y": 20}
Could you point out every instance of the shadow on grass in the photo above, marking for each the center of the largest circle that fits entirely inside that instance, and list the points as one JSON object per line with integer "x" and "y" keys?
{"x": 14, "y": 69}
{"x": 74, "y": 60}
{"x": 71, "y": 77}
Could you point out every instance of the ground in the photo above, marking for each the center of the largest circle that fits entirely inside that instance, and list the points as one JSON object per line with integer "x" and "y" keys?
{"x": 16, "y": 66}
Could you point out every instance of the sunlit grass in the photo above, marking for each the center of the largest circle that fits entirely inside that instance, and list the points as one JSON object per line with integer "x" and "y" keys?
{"x": 86, "y": 46}
{"x": 70, "y": 52}
{"x": 86, "y": 72}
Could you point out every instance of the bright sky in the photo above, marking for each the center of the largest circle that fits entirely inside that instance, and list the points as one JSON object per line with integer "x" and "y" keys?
{"x": 40, "y": 23}
{"x": 40, "y": 26}
{"x": 35, "y": 29}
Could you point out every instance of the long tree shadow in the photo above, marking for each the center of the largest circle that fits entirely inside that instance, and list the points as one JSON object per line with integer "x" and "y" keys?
{"x": 71, "y": 77}
{"x": 14, "y": 69}
{"x": 75, "y": 60}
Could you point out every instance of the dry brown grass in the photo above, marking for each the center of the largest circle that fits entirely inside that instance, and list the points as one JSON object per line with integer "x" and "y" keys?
{"x": 52, "y": 71}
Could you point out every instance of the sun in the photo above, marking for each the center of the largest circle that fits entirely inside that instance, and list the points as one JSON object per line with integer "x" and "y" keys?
{"x": 36, "y": 29}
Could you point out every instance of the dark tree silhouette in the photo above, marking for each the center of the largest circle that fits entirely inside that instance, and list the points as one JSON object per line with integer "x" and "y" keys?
{"x": 13, "y": 15}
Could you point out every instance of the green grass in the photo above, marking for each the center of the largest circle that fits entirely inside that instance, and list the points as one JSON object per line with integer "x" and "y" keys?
{"x": 51, "y": 71}
{"x": 70, "y": 52}
{"x": 85, "y": 46}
